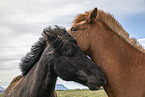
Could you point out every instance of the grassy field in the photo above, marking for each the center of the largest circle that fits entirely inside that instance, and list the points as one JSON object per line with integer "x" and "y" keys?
{"x": 0, "y": 94}
{"x": 80, "y": 93}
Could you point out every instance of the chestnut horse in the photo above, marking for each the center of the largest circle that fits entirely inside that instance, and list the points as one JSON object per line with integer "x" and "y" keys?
{"x": 121, "y": 58}
{"x": 55, "y": 54}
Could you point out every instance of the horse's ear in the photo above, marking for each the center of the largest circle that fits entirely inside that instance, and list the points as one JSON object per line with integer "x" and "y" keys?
{"x": 92, "y": 15}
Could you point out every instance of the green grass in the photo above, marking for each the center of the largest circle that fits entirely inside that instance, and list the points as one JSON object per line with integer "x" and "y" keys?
{"x": 81, "y": 93}
{"x": 0, "y": 94}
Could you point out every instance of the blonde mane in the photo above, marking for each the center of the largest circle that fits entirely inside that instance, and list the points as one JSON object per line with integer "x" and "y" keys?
{"x": 114, "y": 25}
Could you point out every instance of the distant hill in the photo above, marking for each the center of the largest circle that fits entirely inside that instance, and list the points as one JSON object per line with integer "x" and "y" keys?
{"x": 1, "y": 89}
{"x": 57, "y": 87}
{"x": 60, "y": 87}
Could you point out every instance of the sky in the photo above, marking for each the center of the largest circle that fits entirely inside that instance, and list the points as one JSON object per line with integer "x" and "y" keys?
{"x": 22, "y": 21}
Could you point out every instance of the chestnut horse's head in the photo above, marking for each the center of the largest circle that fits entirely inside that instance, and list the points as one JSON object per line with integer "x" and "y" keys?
{"x": 82, "y": 28}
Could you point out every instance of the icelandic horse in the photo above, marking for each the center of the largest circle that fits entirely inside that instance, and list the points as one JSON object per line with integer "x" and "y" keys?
{"x": 55, "y": 54}
{"x": 120, "y": 57}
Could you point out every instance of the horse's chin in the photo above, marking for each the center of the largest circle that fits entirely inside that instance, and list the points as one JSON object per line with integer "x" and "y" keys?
{"x": 93, "y": 87}
{"x": 96, "y": 88}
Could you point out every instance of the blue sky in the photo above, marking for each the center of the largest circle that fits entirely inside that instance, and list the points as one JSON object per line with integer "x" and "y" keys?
{"x": 135, "y": 25}
{"x": 22, "y": 21}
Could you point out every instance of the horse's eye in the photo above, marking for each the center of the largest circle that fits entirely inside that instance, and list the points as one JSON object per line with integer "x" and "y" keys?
{"x": 71, "y": 55}
{"x": 73, "y": 29}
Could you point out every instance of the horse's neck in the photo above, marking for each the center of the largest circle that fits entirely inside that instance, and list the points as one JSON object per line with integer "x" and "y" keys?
{"x": 45, "y": 81}
{"x": 115, "y": 57}
{"x": 40, "y": 80}
{"x": 108, "y": 45}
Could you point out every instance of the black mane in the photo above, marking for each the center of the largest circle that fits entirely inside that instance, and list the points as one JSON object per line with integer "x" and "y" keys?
{"x": 33, "y": 56}
{"x": 29, "y": 60}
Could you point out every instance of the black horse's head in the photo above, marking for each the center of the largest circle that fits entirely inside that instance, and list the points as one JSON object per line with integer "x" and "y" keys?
{"x": 69, "y": 62}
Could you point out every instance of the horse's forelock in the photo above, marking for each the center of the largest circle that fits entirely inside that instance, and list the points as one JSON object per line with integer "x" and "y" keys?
{"x": 81, "y": 17}
{"x": 61, "y": 33}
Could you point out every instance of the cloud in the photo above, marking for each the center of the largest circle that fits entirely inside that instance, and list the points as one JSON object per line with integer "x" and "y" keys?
{"x": 123, "y": 8}
{"x": 8, "y": 75}
{"x": 12, "y": 49}
{"x": 142, "y": 41}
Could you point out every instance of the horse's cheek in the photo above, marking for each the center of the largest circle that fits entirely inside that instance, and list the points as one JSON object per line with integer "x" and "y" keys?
{"x": 84, "y": 44}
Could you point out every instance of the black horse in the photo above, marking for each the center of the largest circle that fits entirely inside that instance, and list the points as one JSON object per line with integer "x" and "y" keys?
{"x": 55, "y": 54}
